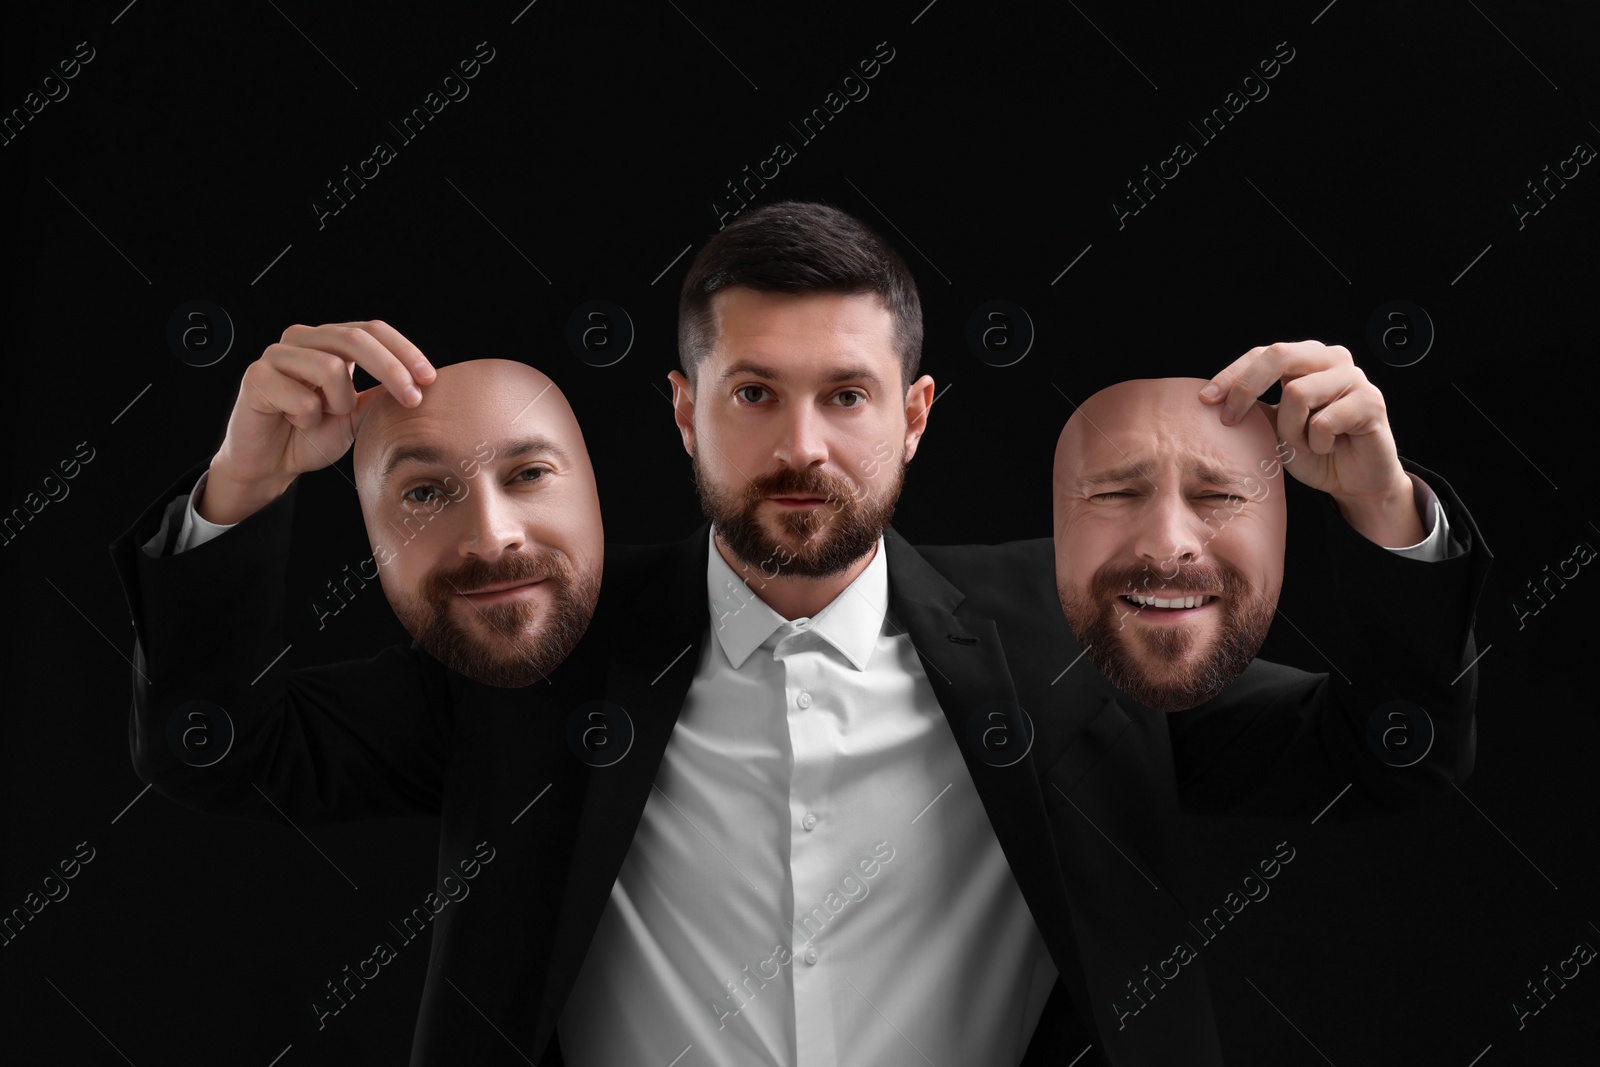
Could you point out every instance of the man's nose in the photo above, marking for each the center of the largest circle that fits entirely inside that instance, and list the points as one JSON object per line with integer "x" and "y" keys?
{"x": 802, "y": 441}
{"x": 493, "y": 523}
{"x": 1170, "y": 535}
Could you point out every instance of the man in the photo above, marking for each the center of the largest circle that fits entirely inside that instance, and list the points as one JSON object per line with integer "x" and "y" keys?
{"x": 843, "y": 682}
{"x": 827, "y": 815}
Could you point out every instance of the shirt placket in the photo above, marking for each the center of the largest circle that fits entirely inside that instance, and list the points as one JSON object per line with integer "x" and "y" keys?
{"x": 812, "y": 837}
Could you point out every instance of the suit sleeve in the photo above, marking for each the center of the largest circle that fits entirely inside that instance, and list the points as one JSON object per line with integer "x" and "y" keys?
{"x": 218, "y": 720}
{"x": 1391, "y": 718}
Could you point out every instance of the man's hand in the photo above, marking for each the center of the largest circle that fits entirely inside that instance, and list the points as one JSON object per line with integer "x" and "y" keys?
{"x": 1336, "y": 429}
{"x": 298, "y": 410}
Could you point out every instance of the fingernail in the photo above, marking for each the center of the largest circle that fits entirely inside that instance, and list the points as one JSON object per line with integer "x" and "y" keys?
{"x": 1210, "y": 392}
{"x": 411, "y": 395}
{"x": 1228, "y": 414}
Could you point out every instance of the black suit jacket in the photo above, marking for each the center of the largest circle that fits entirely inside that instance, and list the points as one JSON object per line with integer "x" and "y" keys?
{"x": 1086, "y": 816}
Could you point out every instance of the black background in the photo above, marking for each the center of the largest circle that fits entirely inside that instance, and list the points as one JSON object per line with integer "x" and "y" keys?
{"x": 1382, "y": 165}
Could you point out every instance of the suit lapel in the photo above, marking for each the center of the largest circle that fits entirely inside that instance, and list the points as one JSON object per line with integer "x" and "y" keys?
{"x": 966, "y": 666}
{"x": 654, "y": 650}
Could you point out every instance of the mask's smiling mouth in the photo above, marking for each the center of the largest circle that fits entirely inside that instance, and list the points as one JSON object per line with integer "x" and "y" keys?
{"x": 1169, "y": 604}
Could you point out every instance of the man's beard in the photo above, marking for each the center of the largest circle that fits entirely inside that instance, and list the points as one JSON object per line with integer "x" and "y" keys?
{"x": 513, "y": 659}
{"x": 831, "y": 536}
{"x": 1098, "y": 622}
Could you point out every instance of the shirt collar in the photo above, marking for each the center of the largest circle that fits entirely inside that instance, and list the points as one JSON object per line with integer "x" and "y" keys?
{"x": 851, "y": 623}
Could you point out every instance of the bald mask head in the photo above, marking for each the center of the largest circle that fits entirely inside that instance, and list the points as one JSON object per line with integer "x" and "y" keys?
{"x": 1169, "y": 537}
{"x": 485, "y": 485}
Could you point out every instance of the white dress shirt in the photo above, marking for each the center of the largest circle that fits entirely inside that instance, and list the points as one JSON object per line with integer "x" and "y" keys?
{"x": 814, "y": 881}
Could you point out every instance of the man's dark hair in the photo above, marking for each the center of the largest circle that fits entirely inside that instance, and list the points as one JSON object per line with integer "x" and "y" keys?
{"x": 799, "y": 248}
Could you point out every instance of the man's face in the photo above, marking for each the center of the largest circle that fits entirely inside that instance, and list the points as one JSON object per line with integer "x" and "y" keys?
{"x": 1169, "y": 536}
{"x": 800, "y": 428}
{"x": 484, "y": 485}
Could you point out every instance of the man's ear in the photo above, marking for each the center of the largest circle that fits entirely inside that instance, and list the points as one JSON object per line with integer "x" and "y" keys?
{"x": 919, "y": 398}
{"x": 683, "y": 408}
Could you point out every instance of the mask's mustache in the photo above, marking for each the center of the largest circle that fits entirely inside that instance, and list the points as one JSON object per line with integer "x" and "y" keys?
{"x": 544, "y": 564}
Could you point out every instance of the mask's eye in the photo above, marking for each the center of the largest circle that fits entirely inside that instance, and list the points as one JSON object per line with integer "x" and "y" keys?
{"x": 744, "y": 390}
{"x": 410, "y": 494}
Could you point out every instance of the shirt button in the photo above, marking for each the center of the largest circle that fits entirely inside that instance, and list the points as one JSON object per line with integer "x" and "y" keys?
{"x": 804, "y": 699}
{"x": 811, "y": 955}
{"x": 809, "y": 822}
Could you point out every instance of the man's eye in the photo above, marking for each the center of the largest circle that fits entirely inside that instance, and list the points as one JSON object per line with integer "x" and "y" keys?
{"x": 537, "y": 472}
{"x": 743, "y": 389}
{"x": 860, "y": 398}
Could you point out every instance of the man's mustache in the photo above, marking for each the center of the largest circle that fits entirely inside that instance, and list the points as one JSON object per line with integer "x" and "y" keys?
{"x": 788, "y": 481}
{"x": 1189, "y": 581}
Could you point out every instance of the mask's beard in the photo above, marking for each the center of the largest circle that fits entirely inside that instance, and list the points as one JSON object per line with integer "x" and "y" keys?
{"x": 823, "y": 540}
{"x": 1169, "y": 667}
{"x": 514, "y": 657}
